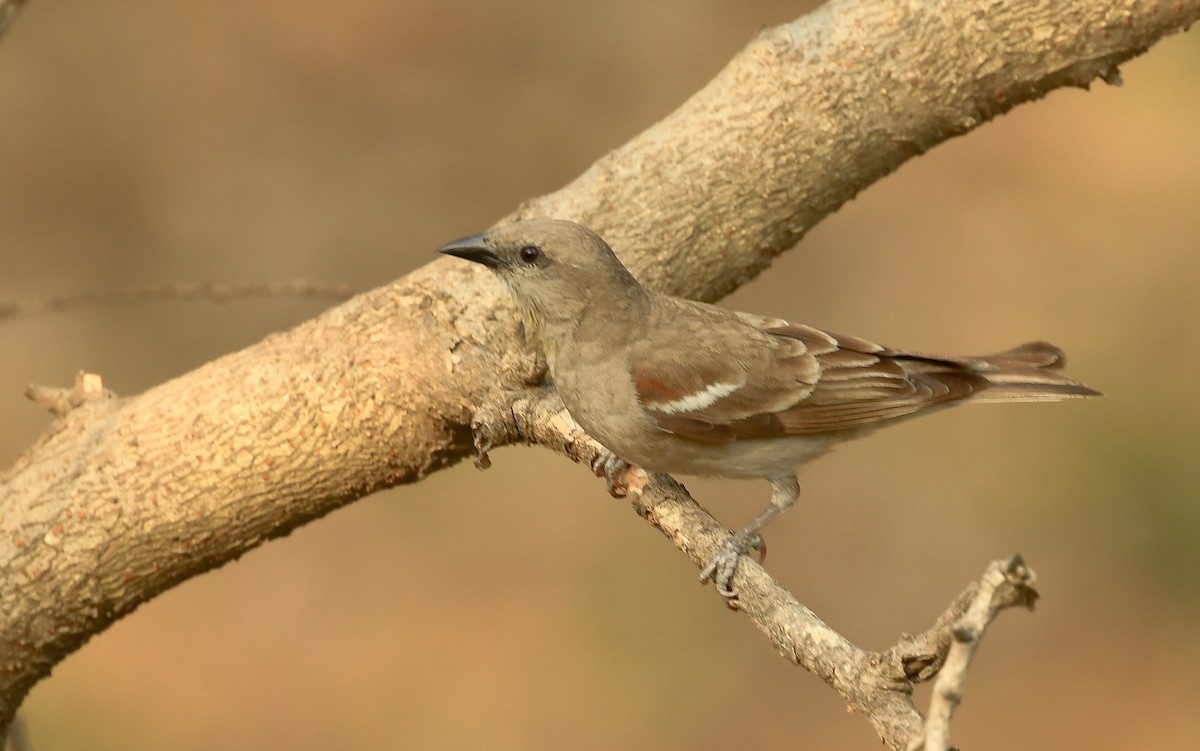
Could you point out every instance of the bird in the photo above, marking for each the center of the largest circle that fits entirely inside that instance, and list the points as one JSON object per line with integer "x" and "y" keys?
{"x": 684, "y": 387}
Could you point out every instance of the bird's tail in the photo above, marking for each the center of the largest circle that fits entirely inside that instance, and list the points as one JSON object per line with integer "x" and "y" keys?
{"x": 1028, "y": 373}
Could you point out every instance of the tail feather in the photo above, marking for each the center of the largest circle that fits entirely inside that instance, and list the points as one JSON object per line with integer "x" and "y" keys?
{"x": 1028, "y": 373}
{"x": 1041, "y": 355}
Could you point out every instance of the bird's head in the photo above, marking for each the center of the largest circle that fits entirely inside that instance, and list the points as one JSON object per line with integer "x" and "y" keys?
{"x": 554, "y": 269}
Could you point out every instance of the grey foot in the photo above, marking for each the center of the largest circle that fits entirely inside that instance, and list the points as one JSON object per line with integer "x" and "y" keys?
{"x": 723, "y": 566}
{"x": 612, "y": 468}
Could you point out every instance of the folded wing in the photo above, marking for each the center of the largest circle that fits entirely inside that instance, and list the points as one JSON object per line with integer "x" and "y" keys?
{"x": 778, "y": 378}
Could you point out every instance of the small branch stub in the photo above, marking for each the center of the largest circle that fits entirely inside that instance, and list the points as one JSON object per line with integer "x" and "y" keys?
{"x": 89, "y": 387}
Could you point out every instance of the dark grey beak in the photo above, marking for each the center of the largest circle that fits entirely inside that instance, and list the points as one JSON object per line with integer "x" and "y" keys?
{"x": 477, "y": 248}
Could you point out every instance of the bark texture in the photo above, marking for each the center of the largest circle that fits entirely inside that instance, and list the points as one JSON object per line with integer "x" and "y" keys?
{"x": 123, "y": 498}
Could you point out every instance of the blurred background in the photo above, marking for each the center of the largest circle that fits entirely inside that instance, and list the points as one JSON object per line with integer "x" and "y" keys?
{"x": 146, "y": 142}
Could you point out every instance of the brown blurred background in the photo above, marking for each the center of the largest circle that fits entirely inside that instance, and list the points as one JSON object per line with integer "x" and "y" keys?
{"x": 147, "y": 142}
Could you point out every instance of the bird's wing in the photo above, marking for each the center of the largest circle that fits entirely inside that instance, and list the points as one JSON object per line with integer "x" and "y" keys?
{"x": 863, "y": 383}
{"x": 774, "y": 378}
{"x": 720, "y": 382}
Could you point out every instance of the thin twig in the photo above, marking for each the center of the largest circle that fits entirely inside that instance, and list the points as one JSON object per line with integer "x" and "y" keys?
{"x": 210, "y": 291}
{"x": 876, "y": 685}
{"x": 1005, "y": 584}
{"x": 919, "y": 657}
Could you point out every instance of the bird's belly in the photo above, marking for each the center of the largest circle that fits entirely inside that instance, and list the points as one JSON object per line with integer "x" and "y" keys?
{"x": 635, "y": 437}
{"x": 669, "y": 453}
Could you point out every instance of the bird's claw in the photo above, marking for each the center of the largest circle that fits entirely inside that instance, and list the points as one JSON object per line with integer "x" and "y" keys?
{"x": 723, "y": 566}
{"x": 612, "y": 468}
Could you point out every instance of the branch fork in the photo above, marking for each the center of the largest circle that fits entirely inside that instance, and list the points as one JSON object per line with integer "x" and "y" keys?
{"x": 876, "y": 684}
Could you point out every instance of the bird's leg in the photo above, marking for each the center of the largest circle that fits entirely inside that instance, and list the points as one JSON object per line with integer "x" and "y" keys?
{"x": 720, "y": 570}
{"x": 612, "y": 468}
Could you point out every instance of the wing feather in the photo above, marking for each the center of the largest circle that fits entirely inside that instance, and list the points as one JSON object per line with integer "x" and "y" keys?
{"x": 768, "y": 378}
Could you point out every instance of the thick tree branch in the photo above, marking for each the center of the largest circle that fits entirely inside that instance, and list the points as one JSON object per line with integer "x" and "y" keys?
{"x": 123, "y": 498}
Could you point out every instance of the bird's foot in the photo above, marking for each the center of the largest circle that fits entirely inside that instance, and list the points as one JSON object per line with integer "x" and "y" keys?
{"x": 723, "y": 566}
{"x": 612, "y": 468}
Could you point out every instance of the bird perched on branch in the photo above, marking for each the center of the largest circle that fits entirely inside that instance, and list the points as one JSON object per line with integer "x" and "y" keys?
{"x": 678, "y": 386}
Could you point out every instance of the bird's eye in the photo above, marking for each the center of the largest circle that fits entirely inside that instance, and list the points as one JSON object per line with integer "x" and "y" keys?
{"x": 530, "y": 254}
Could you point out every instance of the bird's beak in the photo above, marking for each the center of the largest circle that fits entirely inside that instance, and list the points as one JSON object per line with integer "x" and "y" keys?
{"x": 477, "y": 248}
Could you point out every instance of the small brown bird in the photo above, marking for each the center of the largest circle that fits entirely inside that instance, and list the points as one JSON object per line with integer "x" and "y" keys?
{"x": 673, "y": 385}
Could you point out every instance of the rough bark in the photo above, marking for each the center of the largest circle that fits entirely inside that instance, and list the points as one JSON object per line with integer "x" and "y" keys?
{"x": 123, "y": 498}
